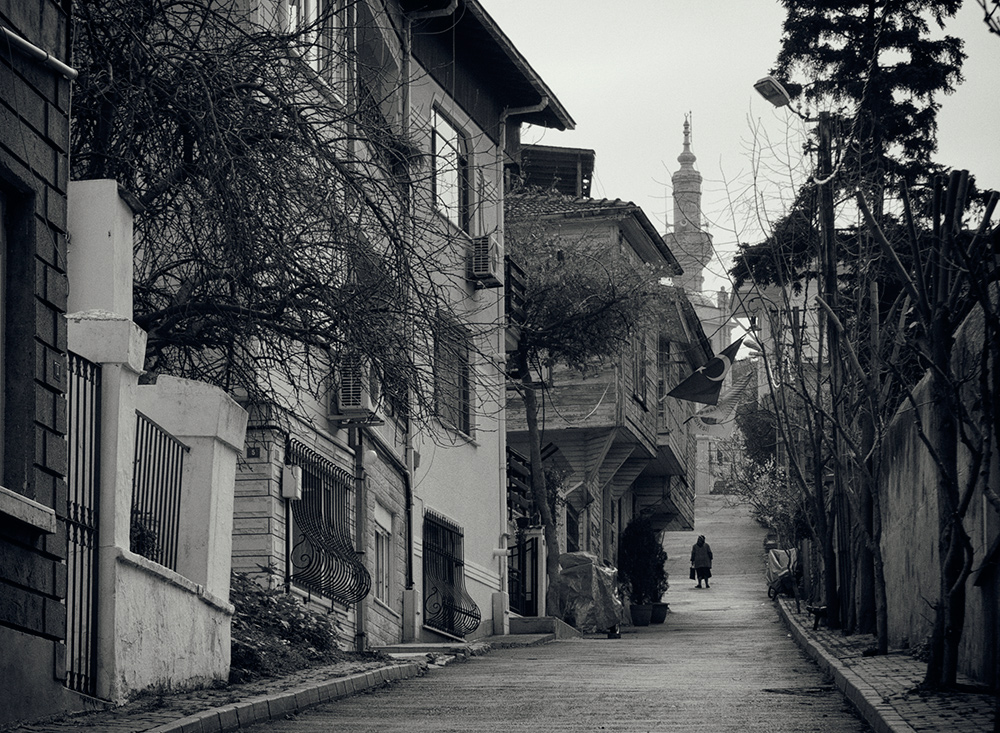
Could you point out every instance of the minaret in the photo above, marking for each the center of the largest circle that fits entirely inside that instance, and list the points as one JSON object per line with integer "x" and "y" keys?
{"x": 691, "y": 245}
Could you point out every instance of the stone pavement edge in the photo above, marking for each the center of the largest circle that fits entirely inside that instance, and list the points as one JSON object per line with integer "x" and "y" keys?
{"x": 235, "y": 707}
{"x": 883, "y": 688}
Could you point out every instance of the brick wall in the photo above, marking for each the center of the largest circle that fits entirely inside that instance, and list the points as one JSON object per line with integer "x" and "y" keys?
{"x": 34, "y": 172}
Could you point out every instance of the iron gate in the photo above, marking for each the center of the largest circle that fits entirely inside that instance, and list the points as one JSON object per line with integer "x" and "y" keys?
{"x": 84, "y": 422}
{"x": 522, "y": 577}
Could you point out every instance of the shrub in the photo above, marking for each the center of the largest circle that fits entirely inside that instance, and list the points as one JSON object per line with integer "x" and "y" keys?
{"x": 641, "y": 559}
{"x": 274, "y": 632}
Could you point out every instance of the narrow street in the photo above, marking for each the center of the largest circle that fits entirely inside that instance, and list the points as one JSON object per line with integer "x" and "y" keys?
{"x": 721, "y": 662}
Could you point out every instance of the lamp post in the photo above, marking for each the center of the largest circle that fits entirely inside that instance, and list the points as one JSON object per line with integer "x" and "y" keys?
{"x": 774, "y": 92}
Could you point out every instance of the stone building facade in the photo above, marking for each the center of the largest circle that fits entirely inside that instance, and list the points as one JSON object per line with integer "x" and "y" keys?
{"x": 34, "y": 174}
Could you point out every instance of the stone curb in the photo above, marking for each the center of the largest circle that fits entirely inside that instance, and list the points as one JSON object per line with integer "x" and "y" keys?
{"x": 882, "y": 717}
{"x": 272, "y": 707}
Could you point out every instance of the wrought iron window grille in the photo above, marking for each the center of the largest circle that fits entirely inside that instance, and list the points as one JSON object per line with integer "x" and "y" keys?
{"x": 323, "y": 558}
{"x": 447, "y": 605}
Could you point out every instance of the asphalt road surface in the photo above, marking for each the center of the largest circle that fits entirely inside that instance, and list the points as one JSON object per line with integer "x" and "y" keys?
{"x": 721, "y": 662}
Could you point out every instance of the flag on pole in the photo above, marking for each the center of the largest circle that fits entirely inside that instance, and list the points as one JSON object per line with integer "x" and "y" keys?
{"x": 726, "y": 409}
{"x": 705, "y": 384}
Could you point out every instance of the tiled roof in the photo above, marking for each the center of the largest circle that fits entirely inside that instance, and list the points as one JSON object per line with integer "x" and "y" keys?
{"x": 521, "y": 205}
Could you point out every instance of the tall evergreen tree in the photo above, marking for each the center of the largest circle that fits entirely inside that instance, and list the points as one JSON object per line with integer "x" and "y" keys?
{"x": 874, "y": 71}
{"x": 877, "y": 65}
{"x": 878, "y": 70}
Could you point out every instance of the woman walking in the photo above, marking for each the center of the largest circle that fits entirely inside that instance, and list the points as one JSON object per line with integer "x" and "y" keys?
{"x": 701, "y": 560}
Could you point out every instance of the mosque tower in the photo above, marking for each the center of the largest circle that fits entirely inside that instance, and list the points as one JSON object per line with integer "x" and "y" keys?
{"x": 690, "y": 243}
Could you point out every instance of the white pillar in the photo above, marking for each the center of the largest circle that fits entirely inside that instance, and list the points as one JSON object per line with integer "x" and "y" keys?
{"x": 99, "y": 257}
{"x": 118, "y": 345}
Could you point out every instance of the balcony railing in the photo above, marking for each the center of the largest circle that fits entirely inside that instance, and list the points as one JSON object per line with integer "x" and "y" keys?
{"x": 518, "y": 485}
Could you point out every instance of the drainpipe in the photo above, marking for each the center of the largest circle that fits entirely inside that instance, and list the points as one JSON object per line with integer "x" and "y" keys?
{"x": 43, "y": 57}
{"x": 407, "y": 40}
{"x": 408, "y": 489}
{"x": 507, "y": 113}
{"x": 408, "y": 19}
{"x": 356, "y": 441}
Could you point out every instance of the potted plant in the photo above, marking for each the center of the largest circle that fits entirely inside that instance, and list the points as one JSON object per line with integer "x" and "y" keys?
{"x": 641, "y": 560}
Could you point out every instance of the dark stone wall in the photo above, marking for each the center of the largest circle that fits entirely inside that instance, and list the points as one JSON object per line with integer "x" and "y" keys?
{"x": 34, "y": 172}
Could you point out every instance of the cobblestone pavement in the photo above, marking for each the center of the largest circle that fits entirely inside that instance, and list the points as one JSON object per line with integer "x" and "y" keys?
{"x": 170, "y": 712}
{"x": 884, "y": 688}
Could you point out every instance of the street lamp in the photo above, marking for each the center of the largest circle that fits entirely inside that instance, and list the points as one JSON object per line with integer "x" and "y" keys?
{"x": 772, "y": 90}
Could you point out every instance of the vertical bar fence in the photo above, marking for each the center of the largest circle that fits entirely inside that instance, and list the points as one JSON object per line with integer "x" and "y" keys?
{"x": 82, "y": 505}
{"x": 156, "y": 493}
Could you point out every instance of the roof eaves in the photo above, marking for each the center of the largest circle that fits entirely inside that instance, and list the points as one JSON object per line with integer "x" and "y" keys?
{"x": 658, "y": 241}
{"x": 558, "y": 118}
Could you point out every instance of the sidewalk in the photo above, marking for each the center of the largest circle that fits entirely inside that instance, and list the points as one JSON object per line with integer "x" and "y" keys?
{"x": 883, "y": 688}
{"x": 235, "y": 707}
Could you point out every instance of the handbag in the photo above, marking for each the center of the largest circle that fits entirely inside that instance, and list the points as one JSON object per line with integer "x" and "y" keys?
{"x": 692, "y": 571}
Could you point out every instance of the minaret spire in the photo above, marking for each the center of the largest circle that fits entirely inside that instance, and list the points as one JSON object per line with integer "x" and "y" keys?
{"x": 687, "y": 158}
{"x": 691, "y": 244}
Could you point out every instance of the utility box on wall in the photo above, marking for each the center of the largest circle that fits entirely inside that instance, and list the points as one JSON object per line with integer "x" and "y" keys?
{"x": 291, "y": 482}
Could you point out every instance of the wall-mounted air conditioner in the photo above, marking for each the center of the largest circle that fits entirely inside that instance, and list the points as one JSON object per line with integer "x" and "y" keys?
{"x": 485, "y": 262}
{"x": 352, "y": 399}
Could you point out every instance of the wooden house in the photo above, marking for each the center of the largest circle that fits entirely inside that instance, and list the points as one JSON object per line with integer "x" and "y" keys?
{"x": 621, "y": 447}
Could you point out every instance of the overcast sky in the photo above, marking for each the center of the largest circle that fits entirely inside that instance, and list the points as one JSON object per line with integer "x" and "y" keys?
{"x": 628, "y": 72}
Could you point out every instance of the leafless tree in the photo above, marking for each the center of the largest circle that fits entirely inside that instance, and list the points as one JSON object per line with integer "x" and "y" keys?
{"x": 947, "y": 286}
{"x": 583, "y": 303}
{"x": 273, "y": 177}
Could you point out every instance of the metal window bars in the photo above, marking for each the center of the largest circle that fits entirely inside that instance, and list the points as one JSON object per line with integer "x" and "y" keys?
{"x": 447, "y": 605}
{"x": 323, "y": 559}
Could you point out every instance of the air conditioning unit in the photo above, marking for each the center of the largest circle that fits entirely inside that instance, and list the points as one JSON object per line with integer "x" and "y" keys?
{"x": 352, "y": 400}
{"x": 485, "y": 263}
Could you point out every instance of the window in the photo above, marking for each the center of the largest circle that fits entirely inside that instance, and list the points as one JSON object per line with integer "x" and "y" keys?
{"x": 447, "y": 605}
{"x": 330, "y": 41}
{"x": 450, "y": 177}
{"x": 383, "y": 554}
{"x": 572, "y": 529}
{"x": 322, "y": 557}
{"x": 639, "y": 368}
{"x": 453, "y": 384}
{"x": 320, "y": 24}
{"x": 663, "y": 378}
